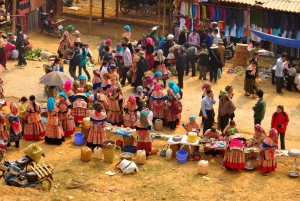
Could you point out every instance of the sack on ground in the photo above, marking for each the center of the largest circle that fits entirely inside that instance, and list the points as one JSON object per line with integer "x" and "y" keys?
{"x": 128, "y": 167}
{"x": 45, "y": 54}
{"x": 34, "y": 152}
{"x": 15, "y": 54}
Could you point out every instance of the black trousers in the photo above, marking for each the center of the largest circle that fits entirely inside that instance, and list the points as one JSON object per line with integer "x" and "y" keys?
{"x": 291, "y": 83}
{"x": 72, "y": 71}
{"x": 282, "y": 143}
{"x": 257, "y": 121}
{"x": 224, "y": 121}
{"x": 192, "y": 61}
{"x": 213, "y": 73}
{"x": 138, "y": 82}
{"x": 21, "y": 59}
{"x": 84, "y": 69}
{"x": 273, "y": 77}
{"x": 125, "y": 70}
{"x": 279, "y": 84}
{"x": 180, "y": 79}
{"x": 208, "y": 122}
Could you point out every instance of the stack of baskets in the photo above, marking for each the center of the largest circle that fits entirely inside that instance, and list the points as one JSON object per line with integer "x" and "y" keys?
{"x": 109, "y": 151}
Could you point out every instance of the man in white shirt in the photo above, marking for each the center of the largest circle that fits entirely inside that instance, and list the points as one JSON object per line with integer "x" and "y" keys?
{"x": 207, "y": 110}
{"x": 194, "y": 37}
{"x": 216, "y": 36}
{"x": 127, "y": 58}
{"x": 280, "y": 66}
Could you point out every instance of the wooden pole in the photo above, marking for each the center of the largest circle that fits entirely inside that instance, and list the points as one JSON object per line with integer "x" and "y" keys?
{"x": 170, "y": 16}
{"x": 159, "y": 5}
{"x": 248, "y": 23}
{"x": 103, "y": 4}
{"x": 164, "y": 19}
{"x": 91, "y": 14}
{"x": 13, "y": 24}
{"x": 117, "y": 9}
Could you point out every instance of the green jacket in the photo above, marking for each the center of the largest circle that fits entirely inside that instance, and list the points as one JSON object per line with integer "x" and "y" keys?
{"x": 259, "y": 109}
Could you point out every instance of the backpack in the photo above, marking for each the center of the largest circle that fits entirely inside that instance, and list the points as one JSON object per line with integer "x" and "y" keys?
{"x": 176, "y": 108}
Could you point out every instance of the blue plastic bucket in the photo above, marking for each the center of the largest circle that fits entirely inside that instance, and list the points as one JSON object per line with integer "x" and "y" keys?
{"x": 79, "y": 139}
{"x": 181, "y": 156}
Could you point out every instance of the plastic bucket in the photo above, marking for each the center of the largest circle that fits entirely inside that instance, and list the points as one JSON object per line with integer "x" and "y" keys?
{"x": 78, "y": 139}
{"x": 181, "y": 156}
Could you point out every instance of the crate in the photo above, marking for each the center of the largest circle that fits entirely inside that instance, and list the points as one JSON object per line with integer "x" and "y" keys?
{"x": 128, "y": 141}
{"x": 175, "y": 148}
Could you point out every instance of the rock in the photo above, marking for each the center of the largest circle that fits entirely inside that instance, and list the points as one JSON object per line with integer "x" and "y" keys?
{"x": 70, "y": 197}
{"x": 163, "y": 198}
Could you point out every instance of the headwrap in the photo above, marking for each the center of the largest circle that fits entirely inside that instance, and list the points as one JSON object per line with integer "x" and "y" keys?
{"x": 171, "y": 94}
{"x": 149, "y": 41}
{"x": 82, "y": 77}
{"x": 139, "y": 90}
{"x": 76, "y": 33}
{"x": 127, "y": 28}
{"x": 170, "y": 37}
{"x": 228, "y": 87}
{"x": 125, "y": 39}
{"x": 14, "y": 108}
{"x": 259, "y": 128}
{"x": 9, "y": 34}
{"x": 132, "y": 100}
{"x": 159, "y": 55}
{"x": 141, "y": 54}
{"x": 144, "y": 36}
{"x": 69, "y": 28}
{"x": 232, "y": 131}
{"x": 273, "y": 134}
{"x": 139, "y": 47}
{"x": 149, "y": 80}
{"x": 50, "y": 104}
{"x": 68, "y": 85}
{"x": 174, "y": 87}
{"x": 62, "y": 94}
{"x": 107, "y": 41}
{"x": 144, "y": 119}
{"x": 192, "y": 118}
{"x": 157, "y": 74}
{"x": 205, "y": 85}
{"x": 157, "y": 87}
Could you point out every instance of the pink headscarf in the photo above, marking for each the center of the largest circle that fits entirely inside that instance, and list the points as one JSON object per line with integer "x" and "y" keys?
{"x": 132, "y": 100}
{"x": 157, "y": 87}
{"x": 273, "y": 135}
{"x": 205, "y": 85}
{"x": 149, "y": 80}
{"x": 107, "y": 41}
{"x": 149, "y": 41}
{"x": 14, "y": 108}
{"x": 259, "y": 128}
{"x": 68, "y": 85}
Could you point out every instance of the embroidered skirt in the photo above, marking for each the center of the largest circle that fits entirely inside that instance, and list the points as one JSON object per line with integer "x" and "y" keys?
{"x": 234, "y": 159}
{"x": 95, "y": 138}
{"x": 54, "y": 134}
{"x": 79, "y": 113}
{"x": 266, "y": 165}
{"x": 34, "y": 131}
{"x": 68, "y": 127}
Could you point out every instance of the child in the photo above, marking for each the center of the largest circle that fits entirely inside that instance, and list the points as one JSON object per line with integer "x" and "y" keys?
{"x": 86, "y": 46}
{"x": 120, "y": 51}
{"x": 257, "y": 82}
{"x": 22, "y": 108}
{"x": 3, "y": 133}
{"x": 291, "y": 77}
{"x": 56, "y": 66}
{"x": 15, "y": 131}
{"x": 61, "y": 62}
{"x": 96, "y": 80}
{"x": 172, "y": 119}
{"x": 104, "y": 69}
{"x": 106, "y": 84}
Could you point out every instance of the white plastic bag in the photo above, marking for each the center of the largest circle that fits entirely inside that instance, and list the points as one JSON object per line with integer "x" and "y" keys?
{"x": 128, "y": 167}
{"x": 15, "y": 54}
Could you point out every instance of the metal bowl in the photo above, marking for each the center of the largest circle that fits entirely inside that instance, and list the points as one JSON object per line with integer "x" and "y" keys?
{"x": 126, "y": 155}
{"x": 293, "y": 174}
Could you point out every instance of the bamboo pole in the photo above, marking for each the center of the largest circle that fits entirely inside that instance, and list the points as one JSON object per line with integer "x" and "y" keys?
{"x": 103, "y": 4}
{"x": 164, "y": 19}
{"x": 159, "y": 5}
{"x": 13, "y": 23}
{"x": 170, "y": 16}
{"x": 117, "y": 9}
{"x": 91, "y": 14}
{"x": 248, "y": 22}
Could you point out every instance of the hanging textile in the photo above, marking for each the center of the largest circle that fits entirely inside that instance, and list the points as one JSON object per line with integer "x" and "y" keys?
{"x": 277, "y": 40}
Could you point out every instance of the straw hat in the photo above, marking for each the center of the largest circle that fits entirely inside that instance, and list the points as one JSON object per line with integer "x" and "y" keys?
{"x": 220, "y": 41}
{"x": 213, "y": 47}
{"x": 141, "y": 54}
{"x": 184, "y": 29}
{"x": 224, "y": 93}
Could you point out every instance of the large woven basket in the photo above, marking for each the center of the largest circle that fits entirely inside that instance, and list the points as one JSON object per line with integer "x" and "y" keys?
{"x": 128, "y": 140}
{"x": 109, "y": 151}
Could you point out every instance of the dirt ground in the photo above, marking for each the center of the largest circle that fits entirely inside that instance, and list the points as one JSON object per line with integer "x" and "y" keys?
{"x": 157, "y": 179}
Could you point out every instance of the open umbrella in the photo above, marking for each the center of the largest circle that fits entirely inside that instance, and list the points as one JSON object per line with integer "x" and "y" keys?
{"x": 55, "y": 78}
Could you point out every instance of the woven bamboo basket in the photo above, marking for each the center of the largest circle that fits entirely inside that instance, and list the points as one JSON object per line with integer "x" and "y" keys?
{"x": 128, "y": 140}
{"x": 109, "y": 151}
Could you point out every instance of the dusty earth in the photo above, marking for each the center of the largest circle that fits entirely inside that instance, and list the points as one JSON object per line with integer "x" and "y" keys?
{"x": 157, "y": 179}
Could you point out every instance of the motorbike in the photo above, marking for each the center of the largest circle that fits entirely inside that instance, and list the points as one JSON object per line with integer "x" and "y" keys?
{"x": 126, "y": 6}
{"x": 154, "y": 35}
{"x": 229, "y": 51}
{"x": 24, "y": 173}
{"x": 49, "y": 26}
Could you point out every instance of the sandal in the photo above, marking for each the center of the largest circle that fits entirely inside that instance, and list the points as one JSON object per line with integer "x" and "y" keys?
{"x": 246, "y": 94}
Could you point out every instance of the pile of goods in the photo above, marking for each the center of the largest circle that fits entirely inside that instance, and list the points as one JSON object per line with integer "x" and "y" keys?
{"x": 33, "y": 55}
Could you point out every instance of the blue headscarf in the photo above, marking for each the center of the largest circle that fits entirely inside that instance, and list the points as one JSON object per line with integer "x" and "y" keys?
{"x": 157, "y": 74}
{"x": 82, "y": 77}
{"x": 50, "y": 104}
{"x": 63, "y": 95}
{"x": 139, "y": 90}
{"x": 174, "y": 87}
{"x": 127, "y": 28}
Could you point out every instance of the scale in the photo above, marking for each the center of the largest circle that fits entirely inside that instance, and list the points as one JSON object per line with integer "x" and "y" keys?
{"x": 293, "y": 171}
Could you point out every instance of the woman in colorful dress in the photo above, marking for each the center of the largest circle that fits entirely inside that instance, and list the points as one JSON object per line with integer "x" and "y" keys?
{"x": 130, "y": 110}
{"x": 172, "y": 119}
{"x": 15, "y": 131}
{"x": 96, "y": 81}
{"x": 258, "y": 137}
{"x": 115, "y": 113}
{"x": 66, "y": 41}
{"x": 77, "y": 36}
{"x": 176, "y": 90}
{"x": 140, "y": 98}
{"x": 2, "y": 92}
{"x": 34, "y": 128}
{"x": 82, "y": 83}
{"x": 65, "y": 118}
{"x": 267, "y": 162}
{"x": 229, "y": 90}
{"x": 192, "y": 125}
{"x": 143, "y": 128}
{"x": 158, "y": 102}
{"x": 80, "y": 108}
{"x": 106, "y": 84}
{"x": 135, "y": 59}
{"x": 234, "y": 158}
{"x": 149, "y": 47}
{"x": 160, "y": 65}
{"x": 3, "y": 133}
{"x": 68, "y": 91}
{"x": 97, "y": 132}
{"x": 3, "y": 57}
{"x": 54, "y": 132}
{"x": 127, "y": 32}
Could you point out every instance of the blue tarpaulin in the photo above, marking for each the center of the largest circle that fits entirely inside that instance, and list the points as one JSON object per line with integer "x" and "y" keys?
{"x": 277, "y": 40}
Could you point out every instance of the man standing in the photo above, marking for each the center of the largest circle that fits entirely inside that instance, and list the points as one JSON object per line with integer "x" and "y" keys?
{"x": 183, "y": 36}
{"x": 191, "y": 54}
{"x": 226, "y": 108}
{"x": 214, "y": 63}
{"x": 203, "y": 62}
{"x": 221, "y": 50}
{"x": 20, "y": 46}
{"x": 280, "y": 65}
{"x": 127, "y": 64}
{"x": 222, "y": 35}
{"x": 74, "y": 60}
{"x": 194, "y": 37}
{"x": 142, "y": 67}
{"x": 207, "y": 40}
{"x": 216, "y": 36}
{"x": 181, "y": 66}
{"x": 259, "y": 108}
{"x": 207, "y": 110}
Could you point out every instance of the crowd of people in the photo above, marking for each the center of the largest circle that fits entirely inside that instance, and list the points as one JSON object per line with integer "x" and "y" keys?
{"x": 100, "y": 97}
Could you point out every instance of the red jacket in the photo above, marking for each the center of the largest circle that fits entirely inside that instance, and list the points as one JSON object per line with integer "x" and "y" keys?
{"x": 280, "y": 118}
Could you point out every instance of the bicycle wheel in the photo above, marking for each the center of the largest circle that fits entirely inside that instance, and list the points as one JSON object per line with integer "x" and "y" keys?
{"x": 147, "y": 10}
{"x": 124, "y": 7}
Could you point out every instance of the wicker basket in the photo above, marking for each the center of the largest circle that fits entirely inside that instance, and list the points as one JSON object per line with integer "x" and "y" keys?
{"x": 106, "y": 146}
{"x": 128, "y": 140}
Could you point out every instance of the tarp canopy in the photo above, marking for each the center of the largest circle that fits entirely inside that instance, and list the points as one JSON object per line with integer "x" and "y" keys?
{"x": 277, "y": 40}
